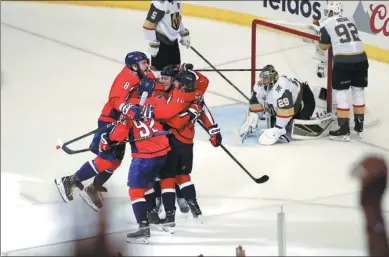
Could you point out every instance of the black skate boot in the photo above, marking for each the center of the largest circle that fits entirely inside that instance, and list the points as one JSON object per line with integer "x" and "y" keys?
{"x": 358, "y": 126}
{"x": 92, "y": 196}
{"x": 184, "y": 208}
{"x": 66, "y": 186}
{"x": 194, "y": 208}
{"x": 141, "y": 235}
{"x": 170, "y": 219}
{"x": 153, "y": 217}
{"x": 341, "y": 134}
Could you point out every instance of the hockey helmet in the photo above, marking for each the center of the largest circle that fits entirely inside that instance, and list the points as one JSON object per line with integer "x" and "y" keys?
{"x": 187, "y": 81}
{"x": 268, "y": 76}
{"x": 133, "y": 58}
{"x": 333, "y": 8}
{"x": 170, "y": 70}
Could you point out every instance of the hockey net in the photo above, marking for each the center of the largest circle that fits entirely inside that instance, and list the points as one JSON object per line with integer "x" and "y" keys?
{"x": 290, "y": 48}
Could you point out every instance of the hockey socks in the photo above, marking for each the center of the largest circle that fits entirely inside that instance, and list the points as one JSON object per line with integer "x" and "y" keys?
{"x": 157, "y": 188}
{"x": 86, "y": 171}
{"x": 101, "y": 178}
{"x": 187, "y": 187}
{"x": 150, "y": 199}
{"x": 168, "y": 193}
{"x": 139, "y": 204}
{"x": 178, "y": 192}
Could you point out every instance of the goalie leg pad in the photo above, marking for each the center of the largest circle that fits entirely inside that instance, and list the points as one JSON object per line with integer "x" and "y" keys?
{"x": 250, "y": 124}
{"x": 312, "y": 129}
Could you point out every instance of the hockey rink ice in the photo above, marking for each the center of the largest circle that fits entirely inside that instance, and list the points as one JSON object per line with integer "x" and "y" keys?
{"x": 58, "y": 63}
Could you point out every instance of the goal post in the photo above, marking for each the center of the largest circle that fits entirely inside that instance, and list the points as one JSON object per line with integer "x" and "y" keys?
{"x": 288, "y": 48}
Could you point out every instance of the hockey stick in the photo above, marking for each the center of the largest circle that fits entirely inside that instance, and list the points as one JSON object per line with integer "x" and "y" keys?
{"x": 64, "y": 147}
{"x": 221, "y": 74}
{"x": 158, "y": 134}
{"x": 229, "y": 70}
{"x": 260, "y": 180}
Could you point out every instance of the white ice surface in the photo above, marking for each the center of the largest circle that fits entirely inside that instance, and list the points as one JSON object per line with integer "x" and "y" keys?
{"x": 58, "y": 63}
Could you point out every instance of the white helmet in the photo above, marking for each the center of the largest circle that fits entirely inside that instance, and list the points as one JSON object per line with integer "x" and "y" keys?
{"x": 333, "y": 8}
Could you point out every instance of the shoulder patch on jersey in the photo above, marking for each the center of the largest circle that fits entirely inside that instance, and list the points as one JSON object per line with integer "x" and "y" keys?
{"x": 159, "y": 4}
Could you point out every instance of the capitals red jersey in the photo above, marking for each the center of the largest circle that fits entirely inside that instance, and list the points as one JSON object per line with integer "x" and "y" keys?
{"x": 148, "y": 148}
{"x": 123, "y": 86}
{"x": 174, "y": 112}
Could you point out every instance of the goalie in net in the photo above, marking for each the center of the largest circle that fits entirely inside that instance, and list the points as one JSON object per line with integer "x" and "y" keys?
{"x": 290, "y": 104}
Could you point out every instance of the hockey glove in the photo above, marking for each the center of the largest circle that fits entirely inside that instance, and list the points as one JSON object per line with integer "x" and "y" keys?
{"x": 216, "y": 137}
{"x": 186, "y": 66}
{"x": 148, "y": 112}
{"x": 154, "y": 48}
{"x": 194, "y": 112}
{"x": 131, "y": 111}
{"x": 146, "y": 85}
{"x": 185, "y": 39}
{"x": 272, "y": 135}
{"x": 105, "y": 143}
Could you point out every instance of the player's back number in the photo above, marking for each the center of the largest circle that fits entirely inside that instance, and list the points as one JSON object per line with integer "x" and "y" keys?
{"x": 347, "y": 32}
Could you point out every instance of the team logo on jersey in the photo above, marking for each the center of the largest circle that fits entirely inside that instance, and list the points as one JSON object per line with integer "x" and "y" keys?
{"x": 278, "y": 88}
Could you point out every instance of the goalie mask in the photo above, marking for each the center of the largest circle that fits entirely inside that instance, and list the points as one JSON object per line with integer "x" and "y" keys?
{"x": 268, "y": 77}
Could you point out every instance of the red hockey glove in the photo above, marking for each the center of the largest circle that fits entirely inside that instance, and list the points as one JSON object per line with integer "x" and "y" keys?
{"x": 216, "y": 137}
{"x": 194, "y": 112}
{"x": 132, "y": 111}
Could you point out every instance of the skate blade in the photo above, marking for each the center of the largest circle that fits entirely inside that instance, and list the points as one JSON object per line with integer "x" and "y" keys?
{"x": 340, "y": 138}
{"x": 88, "y": 201}
{"x": 61, "y": 190}
{"x": 162, "y": 228}
{"x": 139, "y": 240}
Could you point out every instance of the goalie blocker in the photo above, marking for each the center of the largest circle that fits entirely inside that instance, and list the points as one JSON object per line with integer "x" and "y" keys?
{"x": 290, "y": 104}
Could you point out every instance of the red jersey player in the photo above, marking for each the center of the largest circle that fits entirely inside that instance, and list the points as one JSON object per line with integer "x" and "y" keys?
{"x": 102, "y": 167}
{"x": 184, "y": 106}
{"x": 148, "y": 158}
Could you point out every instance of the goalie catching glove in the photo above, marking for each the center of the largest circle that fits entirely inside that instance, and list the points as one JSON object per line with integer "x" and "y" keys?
{"x": 272, "y": 135}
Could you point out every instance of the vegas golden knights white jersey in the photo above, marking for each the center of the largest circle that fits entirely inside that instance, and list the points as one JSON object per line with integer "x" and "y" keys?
{"x": 342, "y": 34}
{"x": 283, "y": 100}
{"x": 165, "y": 18}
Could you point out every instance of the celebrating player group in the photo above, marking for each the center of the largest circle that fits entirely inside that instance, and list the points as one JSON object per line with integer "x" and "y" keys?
{"x": 158, "y": 114}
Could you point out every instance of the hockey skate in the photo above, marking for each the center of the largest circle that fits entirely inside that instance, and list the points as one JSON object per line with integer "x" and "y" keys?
{"x": 341, "y": 134}
{"x": 184, "y": 208}
{"x": 194, "y": 208}
{"x": 168, "y": 223}
{"x": 153, "y": 217}
{"x": 92, "y": 196}
{"x": 66, "y": 186}
{"x": 141, "y": 235}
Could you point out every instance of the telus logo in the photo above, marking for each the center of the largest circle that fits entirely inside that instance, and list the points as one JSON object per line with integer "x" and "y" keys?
{"x": 304, "y": 7}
